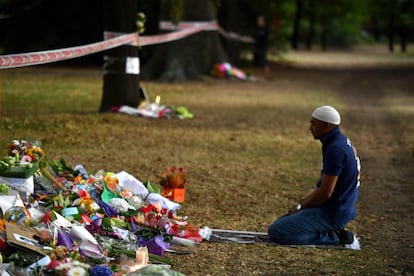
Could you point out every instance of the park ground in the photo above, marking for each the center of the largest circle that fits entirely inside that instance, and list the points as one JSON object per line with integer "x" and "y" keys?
{"x": 248, "y": 151}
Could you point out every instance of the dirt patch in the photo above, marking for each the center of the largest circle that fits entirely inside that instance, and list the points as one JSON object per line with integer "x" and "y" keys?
{"x": 386, "y": 203}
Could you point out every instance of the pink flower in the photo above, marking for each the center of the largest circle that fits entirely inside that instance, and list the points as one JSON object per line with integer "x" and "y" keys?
{"x": 27, "y": 158}
{"x": 126, "y": 194}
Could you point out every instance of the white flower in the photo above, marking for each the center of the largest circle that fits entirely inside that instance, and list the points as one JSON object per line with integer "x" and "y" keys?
{"x": 77, "y": 271}
{"x": 120, "y": 205}
{"x": 136, "y": 201}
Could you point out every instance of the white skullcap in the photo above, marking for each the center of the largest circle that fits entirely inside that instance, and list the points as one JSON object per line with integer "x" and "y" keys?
{"x": 327, "y": 114}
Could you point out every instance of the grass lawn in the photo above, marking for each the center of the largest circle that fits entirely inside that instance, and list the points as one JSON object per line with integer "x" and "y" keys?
{"x": 248, "y": 152}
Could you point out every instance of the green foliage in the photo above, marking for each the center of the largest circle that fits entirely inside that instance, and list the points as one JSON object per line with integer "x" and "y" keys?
{"x": 152, "y": 187}
{"x": 341, "y": 21}
{"x": 141, "y": 19}
{"x": 4, "y": 189}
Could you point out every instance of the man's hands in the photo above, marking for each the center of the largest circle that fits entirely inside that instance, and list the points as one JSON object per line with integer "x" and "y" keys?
{"x": 318, "y": 196}
{"x": 295, "y": 208}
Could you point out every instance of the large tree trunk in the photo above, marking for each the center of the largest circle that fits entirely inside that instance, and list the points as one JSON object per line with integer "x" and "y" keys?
{"x": 121, "y": 86}
{"x": 191, "y": 57}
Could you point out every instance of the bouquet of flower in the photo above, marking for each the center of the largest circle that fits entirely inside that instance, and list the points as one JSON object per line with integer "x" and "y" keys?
{"x": 28, "y": 151}
{"x": 22, "y": 159}
{"x": 88, "y": 224}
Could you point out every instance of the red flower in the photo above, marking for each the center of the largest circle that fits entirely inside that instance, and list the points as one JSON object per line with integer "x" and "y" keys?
{"x": 84, "y": 194}
{"x": 154, "y": 208}
{"x": 170, "y": 214}
{"x": 147, "y": 209}
{"x": 53, "y": 265}
{"x": 175, "y": 227}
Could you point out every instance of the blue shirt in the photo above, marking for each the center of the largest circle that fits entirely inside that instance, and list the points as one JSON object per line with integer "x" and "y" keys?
{"x": 340, "y": 159}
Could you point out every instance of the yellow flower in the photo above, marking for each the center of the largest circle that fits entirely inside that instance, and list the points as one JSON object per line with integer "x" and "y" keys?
{"x": 111, "y": 182}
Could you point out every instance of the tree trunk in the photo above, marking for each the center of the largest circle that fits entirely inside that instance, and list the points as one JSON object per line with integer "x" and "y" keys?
{"x": 406, "y": 9}
{"x": 296, "y": 24}
{"x": 403, "y": 38}
{"x": 311, "y": 31}
{"x": 376, "y": 32}
{"x": 391, "y": 26}
{"x": 324, "y": 33}
{"x": 191, "y": 57}
{"x": 121, "y": 86}
{"x": 232, "y": 19}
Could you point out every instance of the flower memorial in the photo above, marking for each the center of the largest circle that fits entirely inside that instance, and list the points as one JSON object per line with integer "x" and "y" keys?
{"x": 226, "y": 70}
{"x": 76, "y": 223}
{"x": 154, "y": 110}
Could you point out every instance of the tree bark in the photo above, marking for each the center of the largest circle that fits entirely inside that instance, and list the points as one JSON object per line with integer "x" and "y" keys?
{"x": 324, "y": 33}
{"x": 406, "y": 11}
{"x": 191, "y": 57}
{"x": 296, "y": 24}
{"x": 391, "y": 26}
{"x": 231, "y": 23}
{"x": 311, "y": 31}
{"x": 120, "y": 86}
{"x": 403, "y": 38}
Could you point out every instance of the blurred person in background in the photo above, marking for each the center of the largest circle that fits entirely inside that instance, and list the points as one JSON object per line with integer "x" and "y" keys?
{"x": 261, "y": 35}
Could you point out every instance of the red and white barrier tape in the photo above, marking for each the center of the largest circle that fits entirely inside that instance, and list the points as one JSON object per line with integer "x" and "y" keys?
{"x": 157, "y": 39}
{"x": 36, "y": 58}
{"x": 207, "y": 25}
{"x": 113, "y": 40}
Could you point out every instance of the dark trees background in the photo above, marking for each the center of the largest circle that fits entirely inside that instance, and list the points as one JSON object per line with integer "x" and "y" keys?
{"x": 295, "y": 24}
{"x": 38, "y": 25}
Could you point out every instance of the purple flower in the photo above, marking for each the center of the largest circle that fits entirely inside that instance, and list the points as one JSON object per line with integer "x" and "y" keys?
{"x": 134, "y": 227}
{"x": 101, "y": 270}
{"x": 94, "y": 227}
{"x": 64, "y": 239}
{"x": 109, "y": 211}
